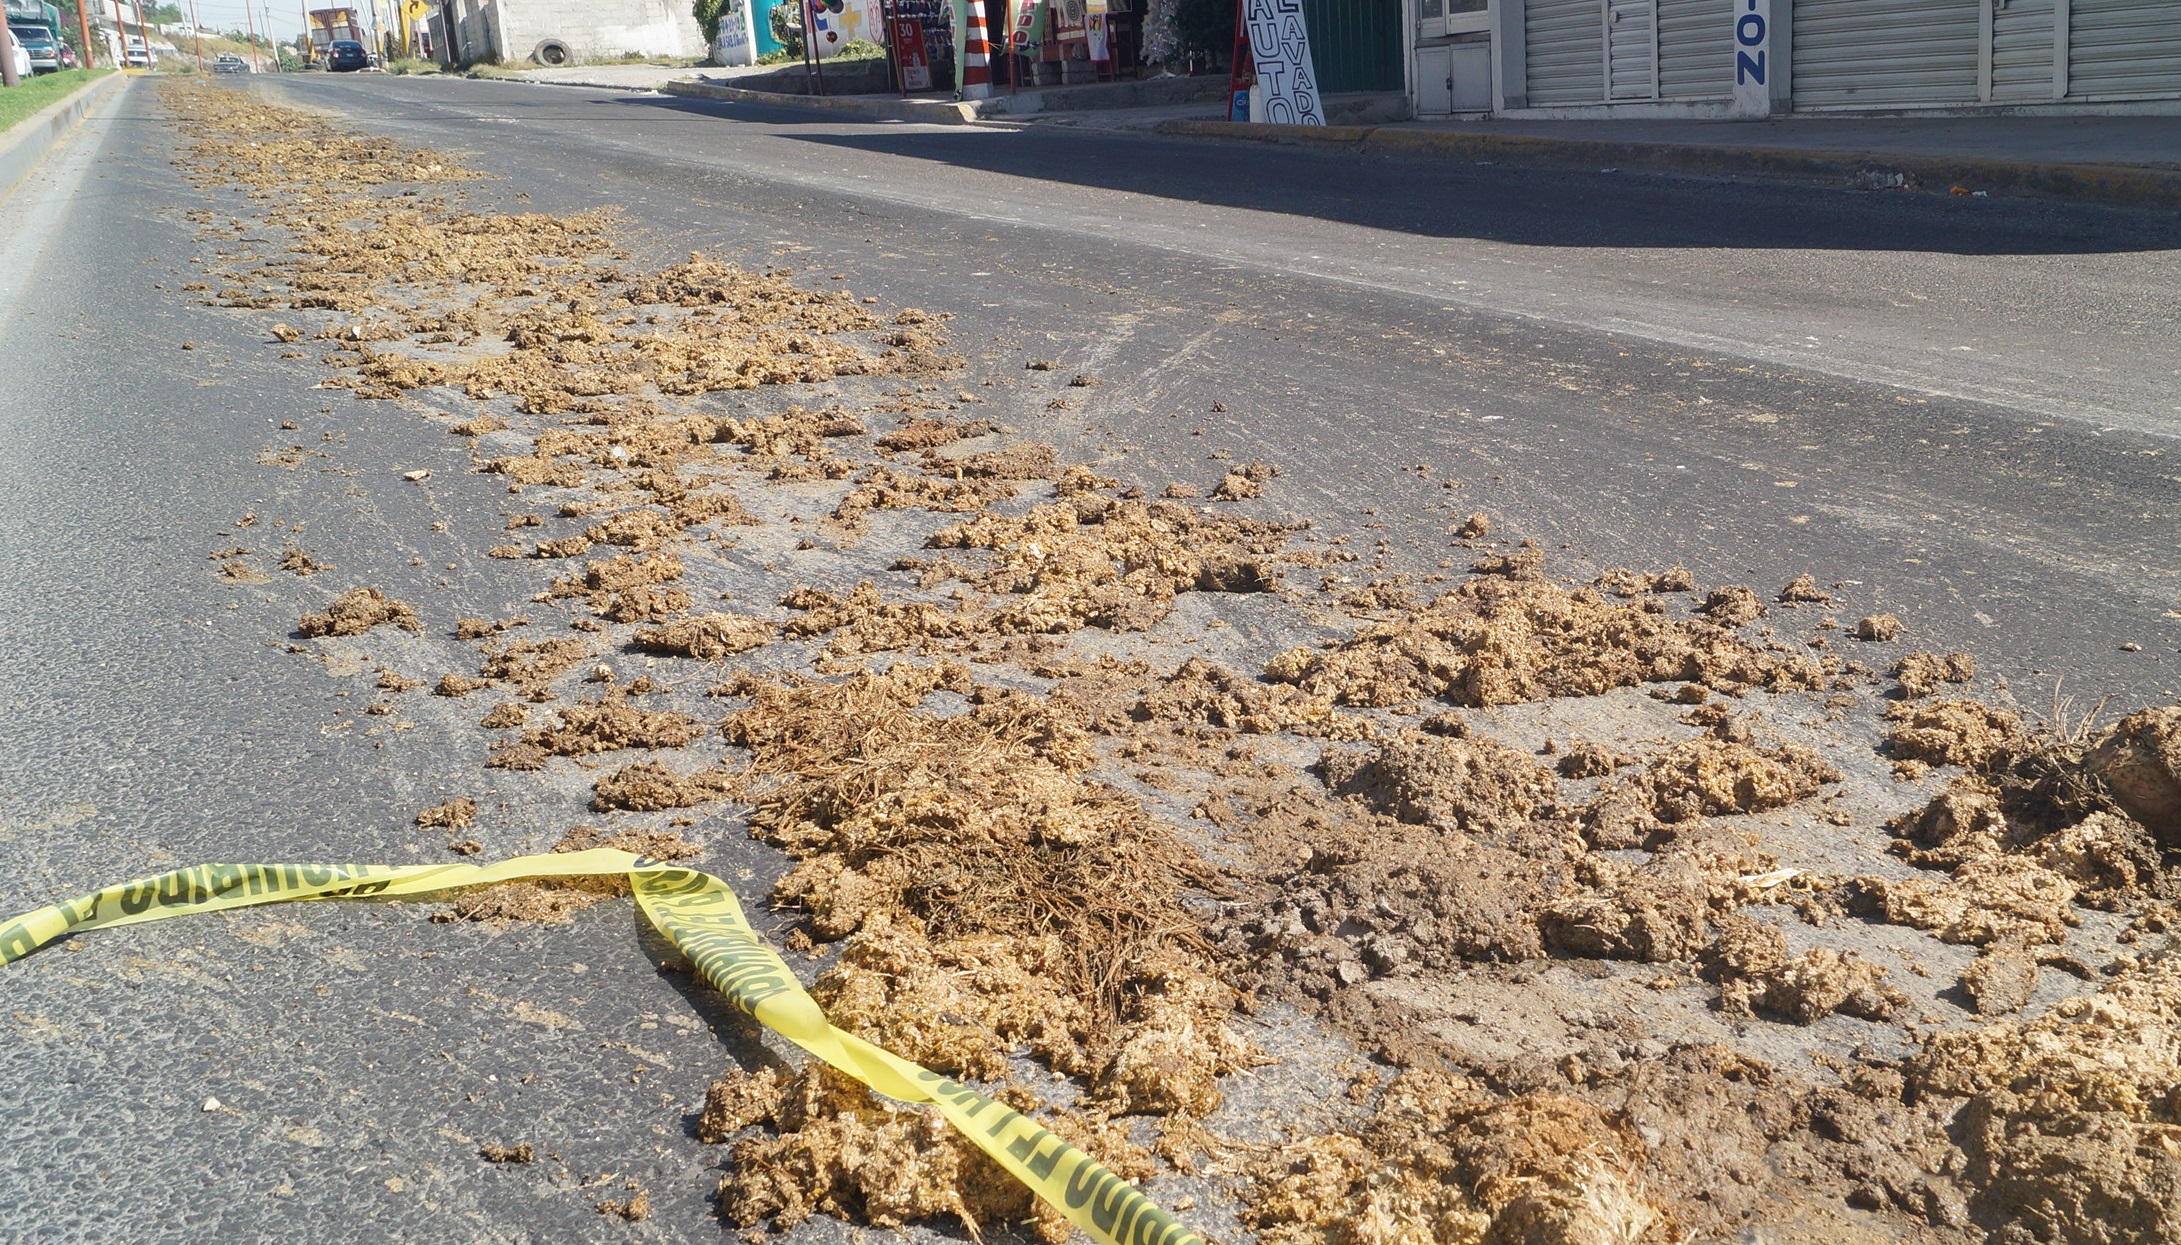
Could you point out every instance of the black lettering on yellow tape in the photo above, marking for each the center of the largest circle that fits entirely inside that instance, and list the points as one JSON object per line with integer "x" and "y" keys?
{"x": 699, "y": 914}
{"x": 1093, "y": 1197}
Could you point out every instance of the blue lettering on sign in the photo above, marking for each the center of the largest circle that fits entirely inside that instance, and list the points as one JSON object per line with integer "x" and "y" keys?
{"x": 1750, "y": 31}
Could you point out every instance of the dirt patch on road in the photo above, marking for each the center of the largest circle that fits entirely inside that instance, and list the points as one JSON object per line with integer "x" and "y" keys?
{"x": 1508, "y": 637}
{"x": 357, "y": 611}
{"x": 1049, "y": 846}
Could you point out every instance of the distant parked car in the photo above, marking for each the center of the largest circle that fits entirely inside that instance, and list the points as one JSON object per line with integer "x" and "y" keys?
{"x": 44, "y": 49}
{"x": 346, "y": 56}
{"x": 230, "y": 63}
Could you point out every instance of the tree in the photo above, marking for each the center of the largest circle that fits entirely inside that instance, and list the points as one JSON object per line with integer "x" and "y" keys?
{"x": 787, "y": 26}
{"x": 708, "y": 13}
{"x": 1205, "y": 28}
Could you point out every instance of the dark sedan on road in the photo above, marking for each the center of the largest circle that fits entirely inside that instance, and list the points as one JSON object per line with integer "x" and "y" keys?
{"x": 346, "y": 56}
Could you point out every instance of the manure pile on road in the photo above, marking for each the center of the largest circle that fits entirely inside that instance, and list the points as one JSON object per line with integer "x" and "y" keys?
{"x": 1651, "y": 912}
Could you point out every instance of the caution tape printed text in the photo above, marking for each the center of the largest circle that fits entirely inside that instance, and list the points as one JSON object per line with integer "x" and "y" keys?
{"x": 700, "y": 915}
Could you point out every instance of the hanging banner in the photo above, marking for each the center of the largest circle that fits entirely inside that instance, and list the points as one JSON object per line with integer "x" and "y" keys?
{"x": 1028, "y": 21}
{"x": 914, "y": 60}
{"x": 1094, "y": 30}
{"x": 958, "y": 34}
{"x": 1287, "y": 85}
{"x": 1752, "y": 60}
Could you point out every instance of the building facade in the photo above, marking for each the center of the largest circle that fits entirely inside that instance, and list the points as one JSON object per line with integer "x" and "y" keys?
{"x": 1724, "y": 58}
{"x": 559, "y": 31}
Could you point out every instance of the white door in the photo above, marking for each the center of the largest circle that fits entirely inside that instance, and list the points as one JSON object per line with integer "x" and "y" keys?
{"x": 1470, "y": 77}
{"x": 1434, "y": 81}
{"x": 1453, "y": 56}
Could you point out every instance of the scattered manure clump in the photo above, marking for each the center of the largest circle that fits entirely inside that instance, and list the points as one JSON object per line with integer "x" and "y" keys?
{"x": 1443, "y": 1160}
{"x": 357, "y": 611}
{"x": 1500, "y": 640}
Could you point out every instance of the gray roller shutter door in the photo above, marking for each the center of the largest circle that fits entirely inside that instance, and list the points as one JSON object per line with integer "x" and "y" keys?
{"x": 1564, "y": 51}
{"x": 1885, "y": 52}
{"x": 2022, "y": 51}
{"x": 1632, "y": 46}
{"x": 2124, "y": 48}
{"x": 1696, "y": 49}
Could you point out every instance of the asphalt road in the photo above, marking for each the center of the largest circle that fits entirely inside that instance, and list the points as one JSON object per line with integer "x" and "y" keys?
{"x": 1966, "y": 411}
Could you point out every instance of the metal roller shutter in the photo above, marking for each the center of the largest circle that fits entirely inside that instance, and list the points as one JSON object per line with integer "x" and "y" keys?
{"x": 2124, "y": 48}
{"x": 1564, "y": 51}
{"x": 1355, "y": 45}
{"x": 2022, "y": 50}
{"x": 1884, "y": 52}
{"x": 1696, "y": 49}
{"x": 1632, "y": 48}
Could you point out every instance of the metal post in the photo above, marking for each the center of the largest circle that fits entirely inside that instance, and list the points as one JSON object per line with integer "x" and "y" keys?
{"x": 810, "y": 43}
{"x": 251, "y": 19}
{"x": 83, "y": 28}
{"x": 893, "y": 48}
{"x": 142, "y": 34}
{"x": 196, "y": 40}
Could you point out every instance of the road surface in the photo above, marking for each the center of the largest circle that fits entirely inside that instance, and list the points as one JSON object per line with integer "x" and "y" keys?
{"x": 1966, "y": 412}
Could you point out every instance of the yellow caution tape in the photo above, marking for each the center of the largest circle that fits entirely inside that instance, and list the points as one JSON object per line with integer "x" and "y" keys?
{"x": 701, "y": 916}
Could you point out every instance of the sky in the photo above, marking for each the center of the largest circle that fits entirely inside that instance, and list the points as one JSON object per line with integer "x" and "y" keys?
{"x": 285, "y": 16}
{"x": 227, "y": 15}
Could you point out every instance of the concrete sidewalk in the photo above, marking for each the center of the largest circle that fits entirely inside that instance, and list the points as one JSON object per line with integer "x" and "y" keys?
{"x": 1122, "y": 98}
{"x": 2119, "y": 159}
{"x": 2116, "y": 159}
{"x": 635, "y": 77}
{"x": 2150, "y": 142}
{"x": 26, "y": 142}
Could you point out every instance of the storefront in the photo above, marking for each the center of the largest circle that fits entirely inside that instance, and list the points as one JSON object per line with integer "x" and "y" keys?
{"x": 1453, "y": 56}
{"x": 1763, "y": 57}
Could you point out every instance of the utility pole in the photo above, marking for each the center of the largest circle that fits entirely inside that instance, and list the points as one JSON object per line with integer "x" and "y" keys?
{"x": 251, "y": 19}
{"x": 196, "y": 40}
{"x": 142, "y": 34}
{"x": 83, "y": 27}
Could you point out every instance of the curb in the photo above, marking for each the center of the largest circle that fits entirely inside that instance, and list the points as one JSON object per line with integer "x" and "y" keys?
{"x": 26, "y": 143}
{"x": 867, "y": 108}
{"x": 1000, "y": 107}
{"x": 578, "y": 82}
{"x": 2123, "y": 184}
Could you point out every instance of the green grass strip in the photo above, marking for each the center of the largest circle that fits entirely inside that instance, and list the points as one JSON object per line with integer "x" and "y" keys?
{"x": 36, "y": 94}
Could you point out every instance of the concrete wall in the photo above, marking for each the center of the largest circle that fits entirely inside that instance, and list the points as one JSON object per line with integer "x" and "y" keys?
{"x": 472, "y": 35}
{"x": 595, "y": 29}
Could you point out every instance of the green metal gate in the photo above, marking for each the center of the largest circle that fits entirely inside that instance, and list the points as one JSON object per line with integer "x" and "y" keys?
{"x": 1355, "y": 45}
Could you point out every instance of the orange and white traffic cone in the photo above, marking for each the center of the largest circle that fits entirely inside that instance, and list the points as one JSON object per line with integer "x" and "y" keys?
{"x": 976, "y": 56}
